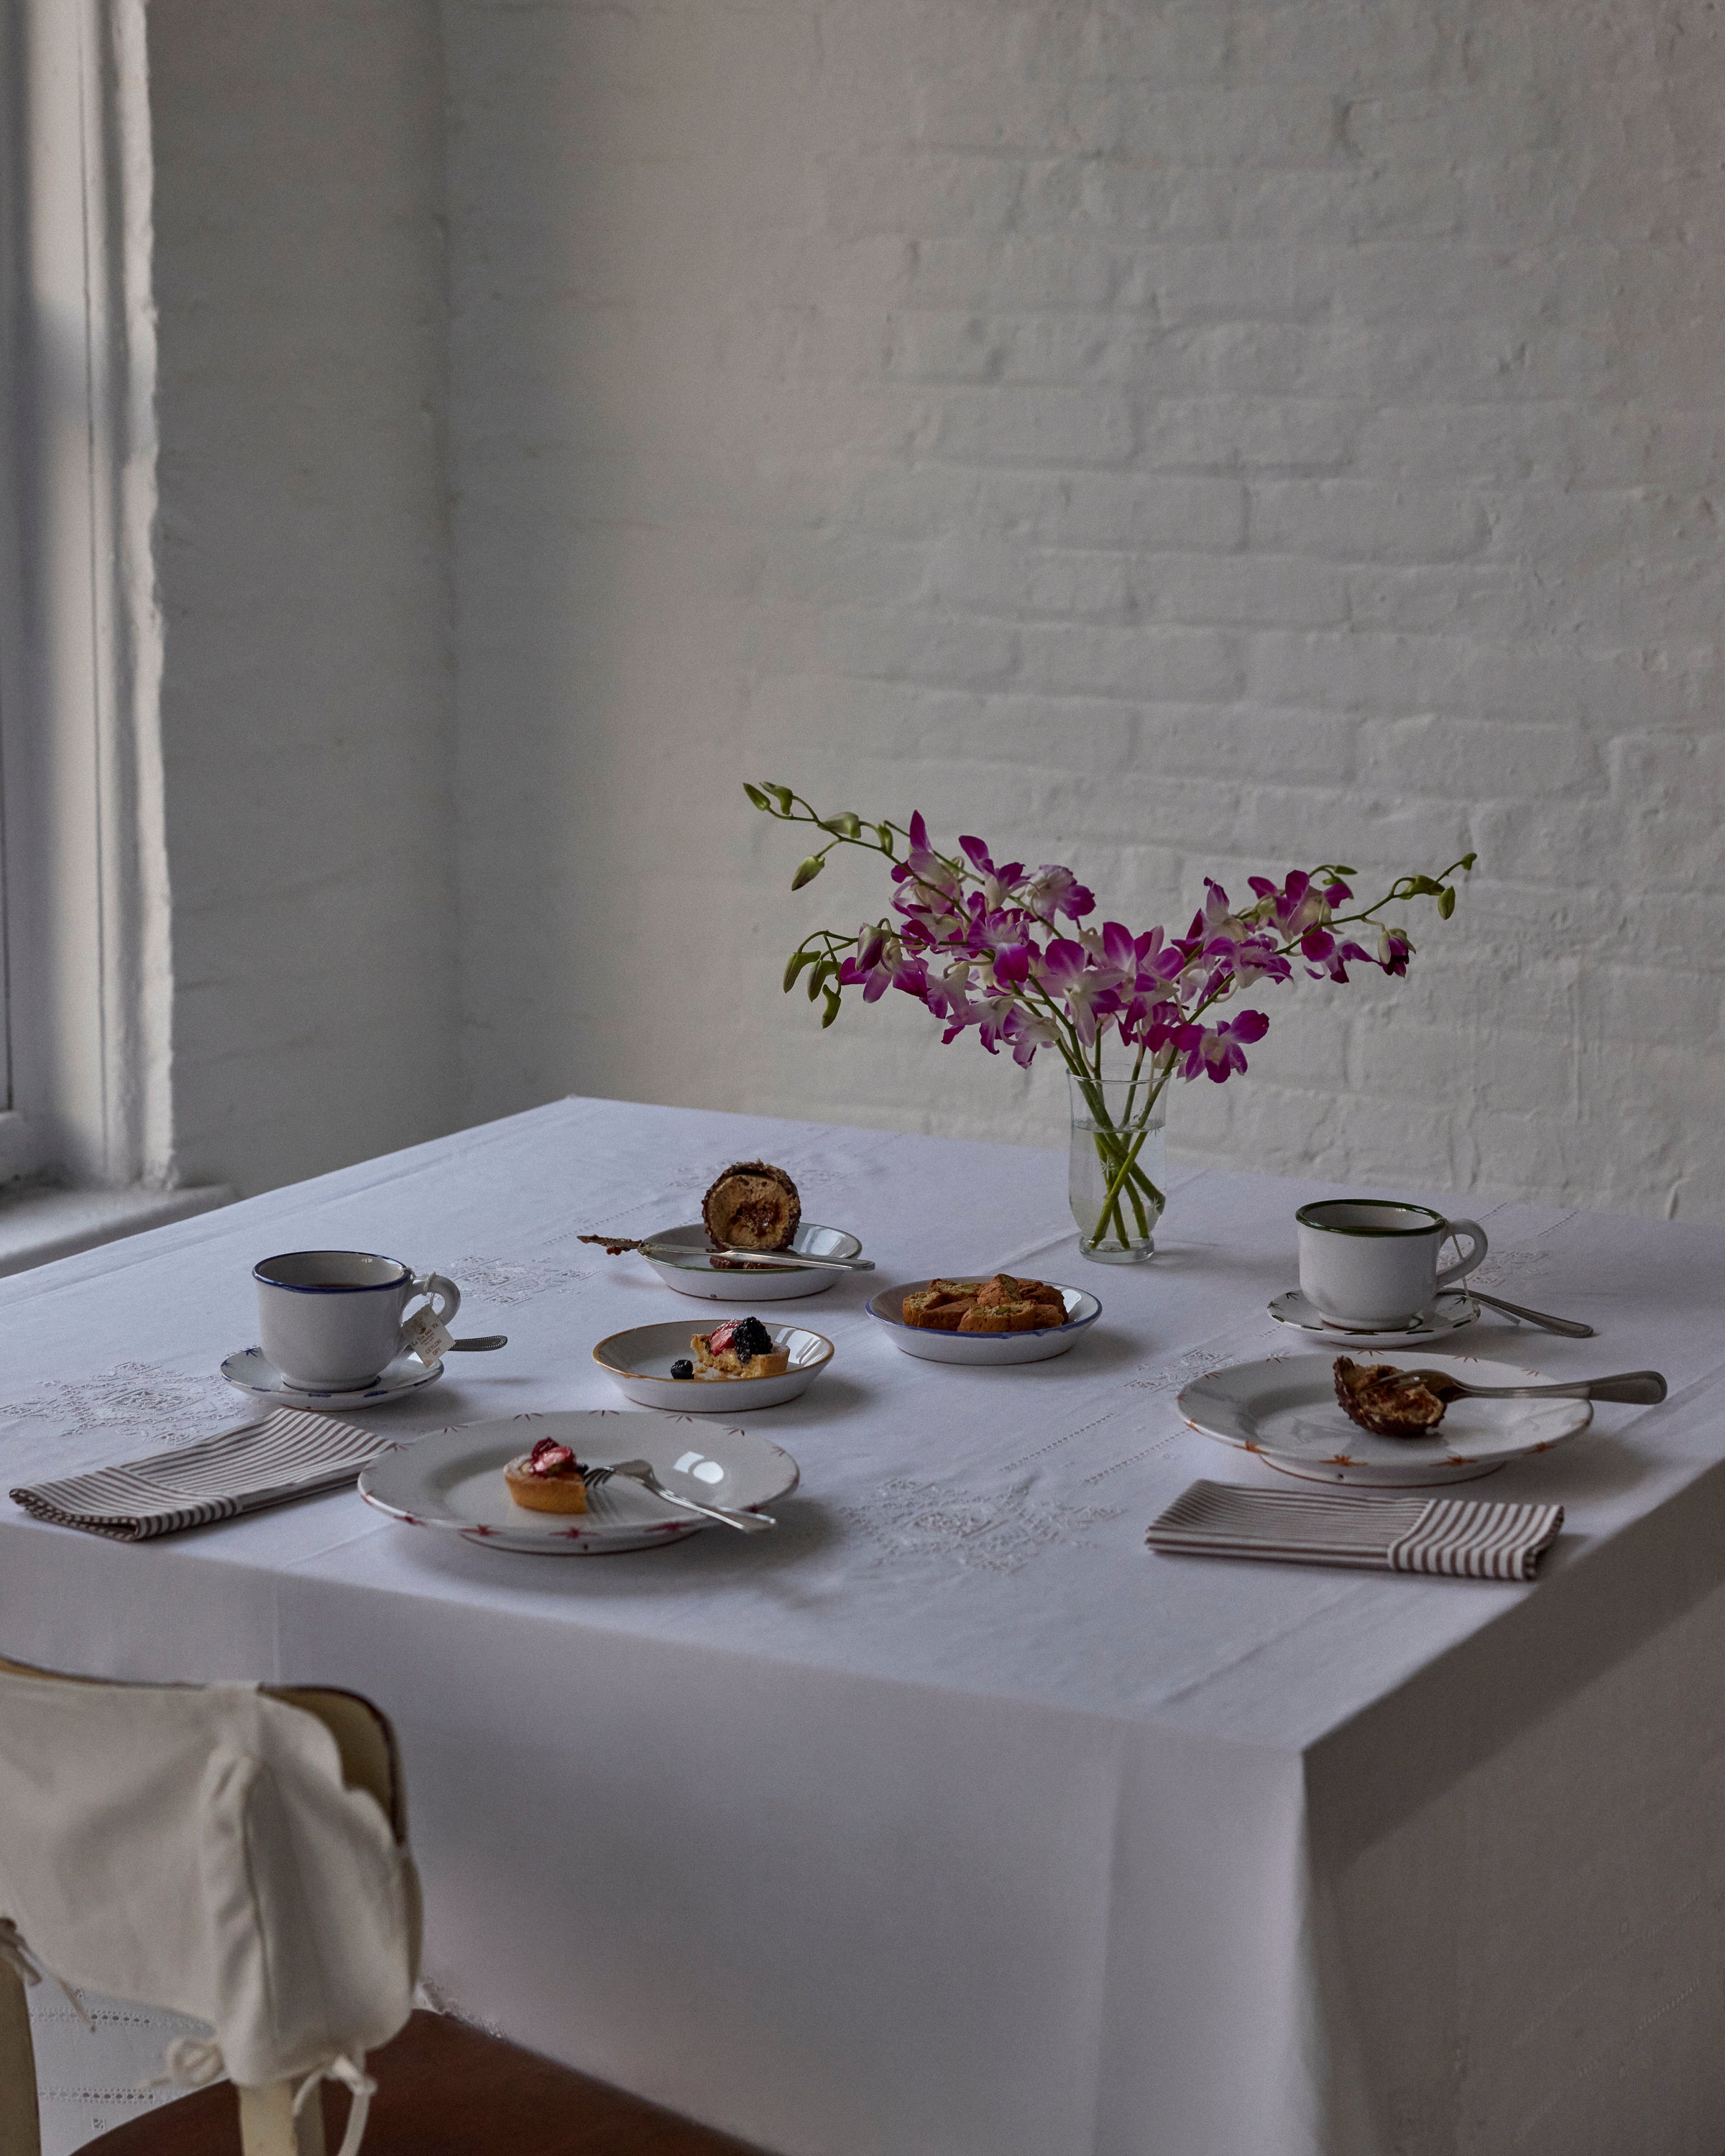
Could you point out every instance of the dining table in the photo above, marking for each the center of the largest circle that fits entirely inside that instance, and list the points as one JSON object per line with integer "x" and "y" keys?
{"x": 948, "y": 1818}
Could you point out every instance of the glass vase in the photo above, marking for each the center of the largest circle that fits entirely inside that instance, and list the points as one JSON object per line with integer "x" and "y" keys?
{"x": 1115, "y": 1171}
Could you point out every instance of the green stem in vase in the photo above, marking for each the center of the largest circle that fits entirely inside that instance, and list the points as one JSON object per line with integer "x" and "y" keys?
{"x": 1125, "y": 1178}
{"x": 1118, "y": 1142}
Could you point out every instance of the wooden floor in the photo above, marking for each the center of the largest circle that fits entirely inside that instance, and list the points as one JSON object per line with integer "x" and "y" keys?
{"x": 446, "y": 2089}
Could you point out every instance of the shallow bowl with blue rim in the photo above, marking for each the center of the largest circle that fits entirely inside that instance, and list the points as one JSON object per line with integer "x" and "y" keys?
{"x": 984, "y": 1350}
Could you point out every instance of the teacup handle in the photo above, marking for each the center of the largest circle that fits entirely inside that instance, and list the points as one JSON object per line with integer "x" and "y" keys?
{"x": 442, "y": 1295}
{"x": 1472, "y": 1233}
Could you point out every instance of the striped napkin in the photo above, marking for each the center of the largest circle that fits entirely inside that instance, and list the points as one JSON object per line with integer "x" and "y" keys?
{"x": 289, "y": 1454}
{"x": 1453, "y": 1535}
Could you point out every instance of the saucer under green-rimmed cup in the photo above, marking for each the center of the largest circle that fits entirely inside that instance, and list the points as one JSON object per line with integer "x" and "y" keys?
{"x": 1452, "y": 1311}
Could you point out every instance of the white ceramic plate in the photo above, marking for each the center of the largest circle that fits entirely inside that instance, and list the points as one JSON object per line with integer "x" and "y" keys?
{"x": 696, "y": 1273}
{"x": 1452, "y": 1310}
{"x": 246, "y": 1369}
{"x": 453, "y": 1481}
{"x": 638, "y": 1364}
{"x": 982, "y": 1350}
{"x": 1284, "y": 1409}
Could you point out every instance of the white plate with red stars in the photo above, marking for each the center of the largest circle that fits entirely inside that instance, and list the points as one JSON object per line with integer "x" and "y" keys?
{"x": 1285, "y": 1410}
{"x": 454, "y": 1482}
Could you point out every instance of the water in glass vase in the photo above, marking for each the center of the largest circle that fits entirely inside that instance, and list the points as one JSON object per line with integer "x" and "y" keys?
{"x": 1115, "y": 1172}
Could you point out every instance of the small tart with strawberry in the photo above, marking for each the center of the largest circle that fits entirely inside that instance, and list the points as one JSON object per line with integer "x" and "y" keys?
{"x": 742, "y": 1348}
{"x": 548, "y": 1479}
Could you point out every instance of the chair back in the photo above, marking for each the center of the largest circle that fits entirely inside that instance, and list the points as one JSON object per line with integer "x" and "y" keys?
{"x": 232, "y": 1853}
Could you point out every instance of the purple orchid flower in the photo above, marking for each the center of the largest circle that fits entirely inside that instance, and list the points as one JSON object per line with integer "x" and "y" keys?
{"x": 1333, "y": 958}
{"x": 1218, "y": 1052}
{"x": 1053, "y": 890}
{"x": 975, "y": 941}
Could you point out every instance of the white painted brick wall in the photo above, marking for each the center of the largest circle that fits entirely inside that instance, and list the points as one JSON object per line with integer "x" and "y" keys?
{"x": 307, "y": 694}
{"x": 1168, "y": 438}
{"x": 1171, "y": 438}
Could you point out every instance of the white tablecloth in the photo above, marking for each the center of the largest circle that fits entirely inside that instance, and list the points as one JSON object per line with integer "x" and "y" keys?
{"x": 949, "y": 1821}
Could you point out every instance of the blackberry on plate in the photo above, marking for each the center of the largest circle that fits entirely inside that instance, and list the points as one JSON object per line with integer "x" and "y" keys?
{"x": 750, "y": 1338}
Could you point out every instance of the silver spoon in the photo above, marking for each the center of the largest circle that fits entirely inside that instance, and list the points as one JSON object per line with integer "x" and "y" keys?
{"x": 641, "y": 1471}
{"x": 1571, "y": 1328}
{"x": 482, "y": 1343}
{"x": 1640, "y": 1387}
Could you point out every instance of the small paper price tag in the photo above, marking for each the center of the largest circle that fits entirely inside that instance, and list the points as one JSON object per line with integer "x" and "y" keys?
{"x": 428, "y": 1337}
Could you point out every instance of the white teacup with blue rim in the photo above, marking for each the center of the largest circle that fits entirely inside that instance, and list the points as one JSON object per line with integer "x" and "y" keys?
{"x": 330, "y": 1320}
{"x": 1370, "y": 1265}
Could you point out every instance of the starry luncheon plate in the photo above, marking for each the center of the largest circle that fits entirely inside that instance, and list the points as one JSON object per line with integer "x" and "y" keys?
{"x": 983, "y": 1349}
{"x": 638, "y": 1364}
{"x": 1284, "y": 1411}
{"x": 453, "y": 1481}
{"x": 717, "y": 1278}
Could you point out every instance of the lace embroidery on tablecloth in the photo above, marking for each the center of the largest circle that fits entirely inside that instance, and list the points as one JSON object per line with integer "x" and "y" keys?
{"x": 1501, "y": 1266}
{"x": 162, "y": 1406}
{"x": 997, "y": 1533}
{"x": 511, "y": 1280}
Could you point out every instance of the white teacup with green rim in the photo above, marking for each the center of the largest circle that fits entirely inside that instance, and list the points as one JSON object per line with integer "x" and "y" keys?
{"x": 1370, "y": 1265}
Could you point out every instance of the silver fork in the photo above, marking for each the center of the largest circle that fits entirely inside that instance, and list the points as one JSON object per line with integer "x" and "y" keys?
{"x": 641, "y": 1471}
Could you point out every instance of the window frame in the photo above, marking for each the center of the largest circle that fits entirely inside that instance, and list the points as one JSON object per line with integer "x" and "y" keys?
{"x": 86, "y": 962}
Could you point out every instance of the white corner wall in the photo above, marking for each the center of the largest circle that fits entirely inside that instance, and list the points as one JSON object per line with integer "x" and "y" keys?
{"x": 1171, "y": 438}
{"x": 302, "y": 555}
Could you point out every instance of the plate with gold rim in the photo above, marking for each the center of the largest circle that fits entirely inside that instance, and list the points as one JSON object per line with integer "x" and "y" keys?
{"x": 1283, "y": 1410}
{"x": 641, "y": 1361}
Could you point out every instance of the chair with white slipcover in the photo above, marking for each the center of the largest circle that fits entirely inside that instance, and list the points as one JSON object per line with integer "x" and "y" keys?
{"x": 232, "y": 1853}
{"x": 239, "y": 1854}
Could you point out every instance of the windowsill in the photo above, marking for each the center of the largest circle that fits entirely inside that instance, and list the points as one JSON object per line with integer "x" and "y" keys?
{"x": 37, "y": 1225}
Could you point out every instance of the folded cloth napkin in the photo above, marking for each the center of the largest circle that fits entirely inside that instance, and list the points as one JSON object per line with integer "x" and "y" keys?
{"x": 289, "y": 1454}
{"x": 1453, "y": 1535}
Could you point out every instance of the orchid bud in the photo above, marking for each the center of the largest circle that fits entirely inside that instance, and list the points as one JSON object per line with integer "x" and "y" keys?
{"x": 808, "y": 870}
